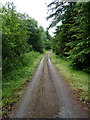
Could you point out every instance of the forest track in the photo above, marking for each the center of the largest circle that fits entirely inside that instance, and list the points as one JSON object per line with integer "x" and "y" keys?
{"x": 48, "y": 96}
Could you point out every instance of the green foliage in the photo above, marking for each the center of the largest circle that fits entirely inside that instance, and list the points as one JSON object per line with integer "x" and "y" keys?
{"x": 13, "y": 81}
{"x": 81, "y": 49}
{"x": 35, "y": 35}
{"x": 38, "y": 38}
{"x": 78, "y": 80}
{"x": 21, "y": 37}
{"x": 47, "y": 41}
{"x": 20, "y": 34}
{"x": 56, "y": 9}
{"x": 72, "y": 38}
{"x": 14, "y": 35}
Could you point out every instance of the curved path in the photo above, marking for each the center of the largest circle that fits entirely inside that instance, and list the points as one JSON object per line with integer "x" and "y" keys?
{"x": 48, "y": 96}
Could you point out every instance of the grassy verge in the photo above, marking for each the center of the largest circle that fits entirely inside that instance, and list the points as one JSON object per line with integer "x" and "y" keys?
{"x": 78, "y": 80}
{"x": 14, "y": 81}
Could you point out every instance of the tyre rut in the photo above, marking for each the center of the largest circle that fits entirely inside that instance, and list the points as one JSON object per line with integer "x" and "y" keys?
{"x": 48, "y": 96}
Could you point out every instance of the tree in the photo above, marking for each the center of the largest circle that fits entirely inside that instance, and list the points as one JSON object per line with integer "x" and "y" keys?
{"x": 14, "y": 35}
{"x": 35, "y": 35}
{"x": 21, "y": 34}
{"x": 72, "y": 39}
{"x": 81, "y": 45}
{"x": 47, "y": 41}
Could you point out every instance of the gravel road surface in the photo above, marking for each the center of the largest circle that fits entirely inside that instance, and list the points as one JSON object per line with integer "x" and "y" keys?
{"x": 48, "y": 96}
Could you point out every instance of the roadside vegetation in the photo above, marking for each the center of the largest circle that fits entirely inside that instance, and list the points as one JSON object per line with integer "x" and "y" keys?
{"x": 78, "y": 80}
{"x": 14, "y": 81}
{"x": 72, "y": 36}
{"x": 24, "y": 43}
{"x": 71, "y": 43}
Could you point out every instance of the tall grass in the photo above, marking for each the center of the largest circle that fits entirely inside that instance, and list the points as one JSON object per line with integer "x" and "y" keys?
{"x": 78, "y": 80}
{"x": 13, "y": 81}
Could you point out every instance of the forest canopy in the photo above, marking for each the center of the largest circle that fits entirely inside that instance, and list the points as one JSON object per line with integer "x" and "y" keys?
{"x": 72, "y": 37}
{"x": 20, "y": 34}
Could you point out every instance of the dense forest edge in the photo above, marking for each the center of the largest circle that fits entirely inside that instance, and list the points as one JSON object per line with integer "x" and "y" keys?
{"x": 24, "y": 43}
{"x": 72, "y": 36}
{"x": 76, "y": 79}
{"x": 71, "y": 44}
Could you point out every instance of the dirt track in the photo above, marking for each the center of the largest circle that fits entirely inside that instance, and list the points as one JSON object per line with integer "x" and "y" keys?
{"x": 48, "y": 96}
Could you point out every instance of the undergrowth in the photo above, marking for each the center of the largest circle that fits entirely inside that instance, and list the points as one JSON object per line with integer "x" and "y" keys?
{"x": 13, "y": 81}
{"x": 77, "y": 79}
